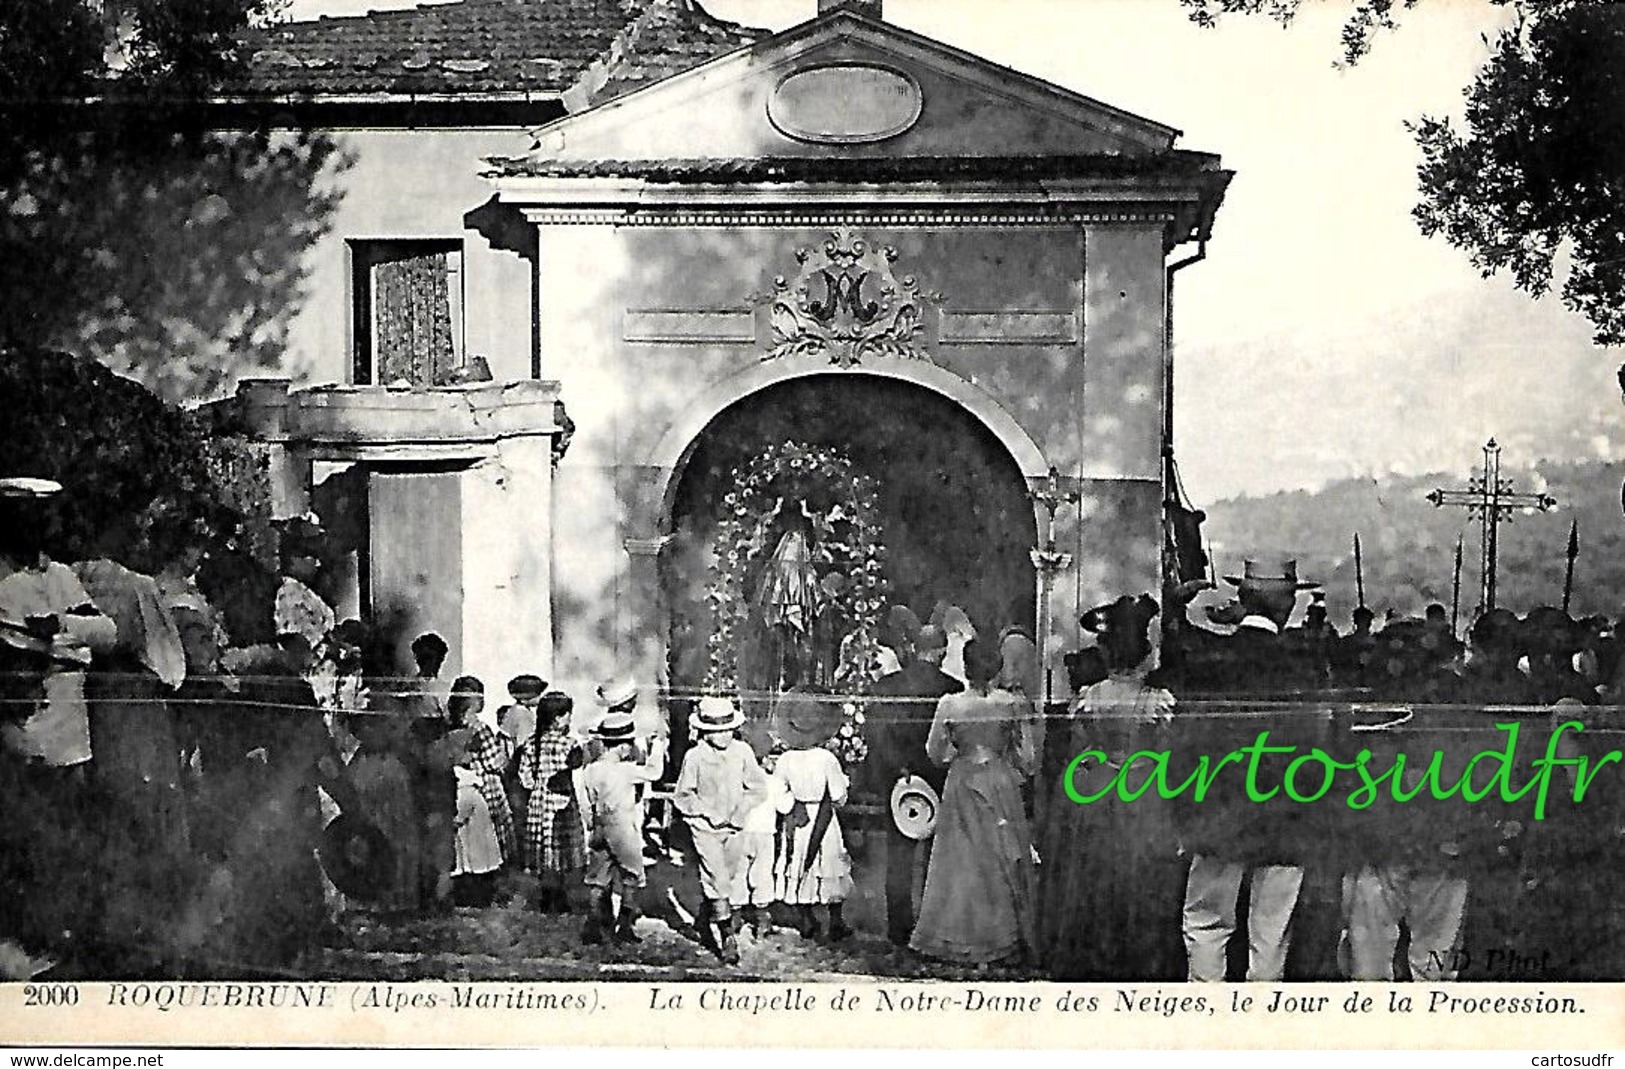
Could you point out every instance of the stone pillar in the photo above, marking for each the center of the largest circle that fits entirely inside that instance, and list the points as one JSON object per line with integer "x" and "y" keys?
{"x": 507, "y": 563}
{"x": 270, "y": 416}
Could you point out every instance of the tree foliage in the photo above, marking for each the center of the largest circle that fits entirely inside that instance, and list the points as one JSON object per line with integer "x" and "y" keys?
{"x": 186, "y": 256}
{"x": 1533, "y": 182}
{"x": 141, "y": 475}
{"x": 149, "y": 56}
{"x": 130, "y": 232}
{"x": 1538, "y": 174}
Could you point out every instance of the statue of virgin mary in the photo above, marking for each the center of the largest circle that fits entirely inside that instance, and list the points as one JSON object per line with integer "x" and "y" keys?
{"x": 789, "y": 600}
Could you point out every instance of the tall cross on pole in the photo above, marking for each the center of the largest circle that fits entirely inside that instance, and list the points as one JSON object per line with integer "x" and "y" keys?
{"x": 1491, "y": 499}
{"x": 1050, "y": 493}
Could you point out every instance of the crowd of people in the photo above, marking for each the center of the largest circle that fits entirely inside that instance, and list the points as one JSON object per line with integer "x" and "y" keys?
{"x": 227, "y": 804}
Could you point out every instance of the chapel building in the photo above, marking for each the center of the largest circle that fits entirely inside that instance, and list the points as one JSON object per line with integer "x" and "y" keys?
{"x": 751, "y": 306}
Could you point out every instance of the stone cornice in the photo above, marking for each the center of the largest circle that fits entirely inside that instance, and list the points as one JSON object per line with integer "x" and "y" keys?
{"x": 854, "y": 216}
{"x": 362, "y": 422}
{"x": 528, "y": 193}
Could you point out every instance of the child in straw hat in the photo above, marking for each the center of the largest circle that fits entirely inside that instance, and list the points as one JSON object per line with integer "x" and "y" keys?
{"x": 720, "y": 783}
{"x": 610, "y": 787}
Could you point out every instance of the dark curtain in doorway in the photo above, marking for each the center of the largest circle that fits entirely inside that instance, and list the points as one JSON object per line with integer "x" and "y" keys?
{"x": 412, "y": 320}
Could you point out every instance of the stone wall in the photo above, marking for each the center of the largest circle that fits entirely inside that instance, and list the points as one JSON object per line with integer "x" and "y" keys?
{"x": 1050, "y": 335}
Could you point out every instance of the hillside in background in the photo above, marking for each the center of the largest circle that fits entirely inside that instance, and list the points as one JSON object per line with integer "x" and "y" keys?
{"x": 1409, "y": 545}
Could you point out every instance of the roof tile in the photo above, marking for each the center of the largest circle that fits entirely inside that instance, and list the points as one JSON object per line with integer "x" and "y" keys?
{"x": 481, "y": 46}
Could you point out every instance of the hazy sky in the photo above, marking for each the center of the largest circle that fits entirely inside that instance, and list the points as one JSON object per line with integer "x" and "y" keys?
{"x": 1323, "y": 336}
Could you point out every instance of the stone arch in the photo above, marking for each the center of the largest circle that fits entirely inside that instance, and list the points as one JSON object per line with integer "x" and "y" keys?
{"x": 672, "y": 450}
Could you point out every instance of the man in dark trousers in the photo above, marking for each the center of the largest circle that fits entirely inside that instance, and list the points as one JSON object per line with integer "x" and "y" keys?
{"x": 899, "y": 720}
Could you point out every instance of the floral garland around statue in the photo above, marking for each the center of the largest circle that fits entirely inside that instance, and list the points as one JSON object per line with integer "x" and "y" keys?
{"x": 849, "y": 547}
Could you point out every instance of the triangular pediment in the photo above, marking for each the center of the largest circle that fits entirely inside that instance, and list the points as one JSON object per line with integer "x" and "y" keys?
{"x": 844, "y": 85}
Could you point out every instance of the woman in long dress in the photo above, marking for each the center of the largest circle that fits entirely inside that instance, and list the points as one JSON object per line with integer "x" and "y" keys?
{"x": 1113, "y": 883}
{"x": 979, "y": 889}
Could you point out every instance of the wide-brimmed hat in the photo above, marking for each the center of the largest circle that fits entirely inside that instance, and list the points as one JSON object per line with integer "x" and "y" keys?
{"x": 914, "y": 807}
{"x": 802, "y": 721}
{"x": 1126, "y": 615}
{"x": 715, "y": 714}
{"x": 1255, "y": 578}
{"x": 356, "y": 856}
{"x": 618, "y": 692}
{"x": 616, "y": 727}
{"x": 525, "y": 686}
{"x": 26, "y": 488}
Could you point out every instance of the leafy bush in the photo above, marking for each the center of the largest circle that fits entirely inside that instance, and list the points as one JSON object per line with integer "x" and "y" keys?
{"x": 144, "y": 481}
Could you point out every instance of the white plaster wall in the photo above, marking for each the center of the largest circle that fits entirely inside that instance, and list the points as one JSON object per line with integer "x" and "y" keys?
{"x": 507, "y": 564}
{"x": 414, "y": 184}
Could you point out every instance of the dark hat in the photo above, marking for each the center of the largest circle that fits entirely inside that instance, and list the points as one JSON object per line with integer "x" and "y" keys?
{"x": 1125, "y": 615}
{"x": 526, "y": 686}
{"x": 1122, "y": 628}
{"x": 429, "y": 642}
{"x": 554, "y": 704}
{"x": 802, "y": 721}
{"x": 356, "y": 856}
{"x": 1255, "y": 578}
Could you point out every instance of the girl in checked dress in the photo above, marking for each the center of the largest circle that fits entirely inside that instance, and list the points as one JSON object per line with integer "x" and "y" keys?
{"x": 489, "y": 752}
{"x": 555, "y": 847}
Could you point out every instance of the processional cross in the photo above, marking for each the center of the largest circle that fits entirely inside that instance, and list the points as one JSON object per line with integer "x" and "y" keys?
{"x": 1051, "y": 493}
{"x": 1490, "y": 498}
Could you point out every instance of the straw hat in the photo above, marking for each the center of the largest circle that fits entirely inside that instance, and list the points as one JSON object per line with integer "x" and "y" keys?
{"x": 616, "y": 727}
{"x": 716, "y": 714}
{"x": 914, "y": 807}
{"x": 618, "y": 692}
